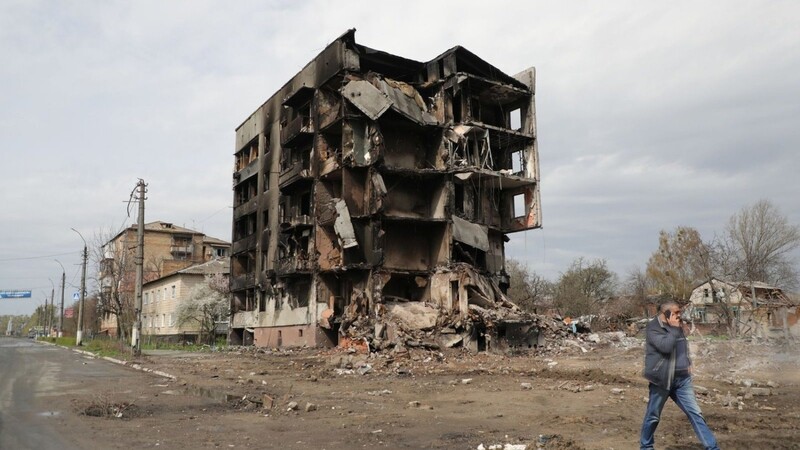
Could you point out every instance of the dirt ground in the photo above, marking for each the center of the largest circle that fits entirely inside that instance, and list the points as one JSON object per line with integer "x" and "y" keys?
{"x": 573, "y": 395}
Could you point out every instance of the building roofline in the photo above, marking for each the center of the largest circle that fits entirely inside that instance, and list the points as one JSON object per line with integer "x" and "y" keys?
{"x": 172, "y": 229}
{"x": 193, "y": 270}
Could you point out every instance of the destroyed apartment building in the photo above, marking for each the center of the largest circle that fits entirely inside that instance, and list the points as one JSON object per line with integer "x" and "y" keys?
{"x": 373, "y": 196}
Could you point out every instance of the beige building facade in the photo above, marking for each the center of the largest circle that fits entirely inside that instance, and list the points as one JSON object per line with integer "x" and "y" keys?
{"x": 168, "y": 248}
{"x": 161, "y": 299}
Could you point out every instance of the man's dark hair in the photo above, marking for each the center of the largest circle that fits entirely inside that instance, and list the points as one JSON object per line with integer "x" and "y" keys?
{"x": 667, "y": 305}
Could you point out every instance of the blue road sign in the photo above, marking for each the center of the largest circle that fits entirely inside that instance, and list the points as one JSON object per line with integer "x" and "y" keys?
{"x": 76, "y": 296}
{"x": 15, "y": 294}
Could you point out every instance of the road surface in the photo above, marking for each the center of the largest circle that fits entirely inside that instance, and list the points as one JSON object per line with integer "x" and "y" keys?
{"x": 42, "y": 391}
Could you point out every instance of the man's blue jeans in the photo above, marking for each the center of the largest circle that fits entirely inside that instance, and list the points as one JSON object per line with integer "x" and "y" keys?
{"x": 682, "y": 393}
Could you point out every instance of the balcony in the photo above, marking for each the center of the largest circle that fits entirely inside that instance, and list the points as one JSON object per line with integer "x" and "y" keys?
{"x": 298, "y": 131}
{"x": 245, "y": 243}
{"x": 298, "y": 220}
{"x": 243, "y": 281}
{"x": 297, "y": 172}
{"x": 293, "y": 265}
{"x": 181, "y": 250}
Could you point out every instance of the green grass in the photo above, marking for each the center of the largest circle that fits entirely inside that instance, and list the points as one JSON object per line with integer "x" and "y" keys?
{"x": 717, "y": 337}
{"x": 190, "y": 347}
{"x": 65, "y": 341}
{"x": 117, "y": 349}
{"x": 171, "y": 346}
{"x": 100, "y": 347}
{"x": 103, "y": 347}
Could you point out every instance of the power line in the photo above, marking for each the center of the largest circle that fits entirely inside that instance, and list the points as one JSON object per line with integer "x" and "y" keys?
{"x": 35, "y": 257}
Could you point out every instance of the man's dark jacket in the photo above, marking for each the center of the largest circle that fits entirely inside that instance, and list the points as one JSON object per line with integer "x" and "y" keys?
{"x": 659, "y": 352}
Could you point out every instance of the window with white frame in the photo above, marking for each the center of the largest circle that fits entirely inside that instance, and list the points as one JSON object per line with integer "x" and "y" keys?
{"x": 173, "y": 291}
{"x": 171, "y": 320}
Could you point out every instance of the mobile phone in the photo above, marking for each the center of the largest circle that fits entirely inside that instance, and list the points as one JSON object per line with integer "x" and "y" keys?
{"x": 668, "y": 314}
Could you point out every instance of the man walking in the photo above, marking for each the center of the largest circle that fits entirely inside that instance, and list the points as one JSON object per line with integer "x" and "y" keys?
{"x": 669, "y": 370}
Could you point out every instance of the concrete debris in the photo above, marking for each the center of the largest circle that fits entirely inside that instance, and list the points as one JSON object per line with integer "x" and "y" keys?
{"x": 412, "y": 316}
{"x": 526, "y": 386}
{"x": 503, "y": 447}
{"x": 450, "y": 340}
{"x": 291, "y": 406}
{"x": 310, "y": 407}
{"x": 757, "y": 391}
{"x": 381, "y": 392}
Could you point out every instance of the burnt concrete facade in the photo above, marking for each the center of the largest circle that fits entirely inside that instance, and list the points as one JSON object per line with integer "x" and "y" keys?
{"x": 373, "y": 195}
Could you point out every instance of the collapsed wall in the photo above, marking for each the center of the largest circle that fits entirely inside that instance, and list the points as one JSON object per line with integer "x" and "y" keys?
{"x": 373, "y": 196}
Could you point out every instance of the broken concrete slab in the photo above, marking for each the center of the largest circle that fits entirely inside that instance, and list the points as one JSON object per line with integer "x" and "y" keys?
{"x": 412, "y": 315}
{"x": 367, "y": 98}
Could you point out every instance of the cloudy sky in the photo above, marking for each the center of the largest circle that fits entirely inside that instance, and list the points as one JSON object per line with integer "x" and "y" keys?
{"x": 650, "y": 114}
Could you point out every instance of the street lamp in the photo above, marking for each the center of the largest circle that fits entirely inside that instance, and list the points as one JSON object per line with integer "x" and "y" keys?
{"x": 52, "y": 307}
{"x": 79, "y": 333}
{"x": 61, "y": 314}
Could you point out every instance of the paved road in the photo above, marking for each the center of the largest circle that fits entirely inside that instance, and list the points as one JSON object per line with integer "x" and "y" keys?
{"x": 38, "y": 384}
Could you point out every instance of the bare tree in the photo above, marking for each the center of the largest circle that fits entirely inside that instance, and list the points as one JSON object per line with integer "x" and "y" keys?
{"x": 759, "y": 242}
{"x": 639, "y": 287}
{"x": 114, "y": 257}
{"x": 583, "y": 287}
{"x": 208, "y": 304}
{"x": 528, "y": 290}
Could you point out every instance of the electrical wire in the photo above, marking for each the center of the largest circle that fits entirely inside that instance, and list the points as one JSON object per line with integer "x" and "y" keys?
{"x": 34, "y": 257}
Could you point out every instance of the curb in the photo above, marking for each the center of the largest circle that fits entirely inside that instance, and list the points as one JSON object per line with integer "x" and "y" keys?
{"x": 120, "y": 362}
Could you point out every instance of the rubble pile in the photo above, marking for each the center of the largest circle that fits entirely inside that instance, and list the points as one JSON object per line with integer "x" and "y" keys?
{"x": 490, "y": 326}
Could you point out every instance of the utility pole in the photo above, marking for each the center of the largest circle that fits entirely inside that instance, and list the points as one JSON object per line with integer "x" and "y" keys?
{"x": 79, "y": 333}
{"x": 136, "y": 344}
{"x": 50, "y": 311}
{"x": 61, "y": 314}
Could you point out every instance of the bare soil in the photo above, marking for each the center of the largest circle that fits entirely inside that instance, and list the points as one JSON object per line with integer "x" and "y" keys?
{"x": 575, "y": 395}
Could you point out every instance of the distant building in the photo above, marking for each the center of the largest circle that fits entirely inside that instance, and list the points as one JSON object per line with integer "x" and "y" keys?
{"x": 756, "y": 308}
{"x": 168, "y": 248}
{"x": 162, "y": 297}
{"x": 371, "y": 185}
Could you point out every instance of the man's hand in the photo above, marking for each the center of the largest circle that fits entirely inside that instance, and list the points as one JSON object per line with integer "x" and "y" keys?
{"x": 674, "y": 320}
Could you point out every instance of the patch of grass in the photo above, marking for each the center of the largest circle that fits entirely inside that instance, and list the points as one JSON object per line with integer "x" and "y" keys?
{"x": 717, "y": 337}
{"x": 187, "y": 347}
{"x": 182, "y": 346}
{"x": 112, "y": 348}
{"x": 65, "y": 341}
